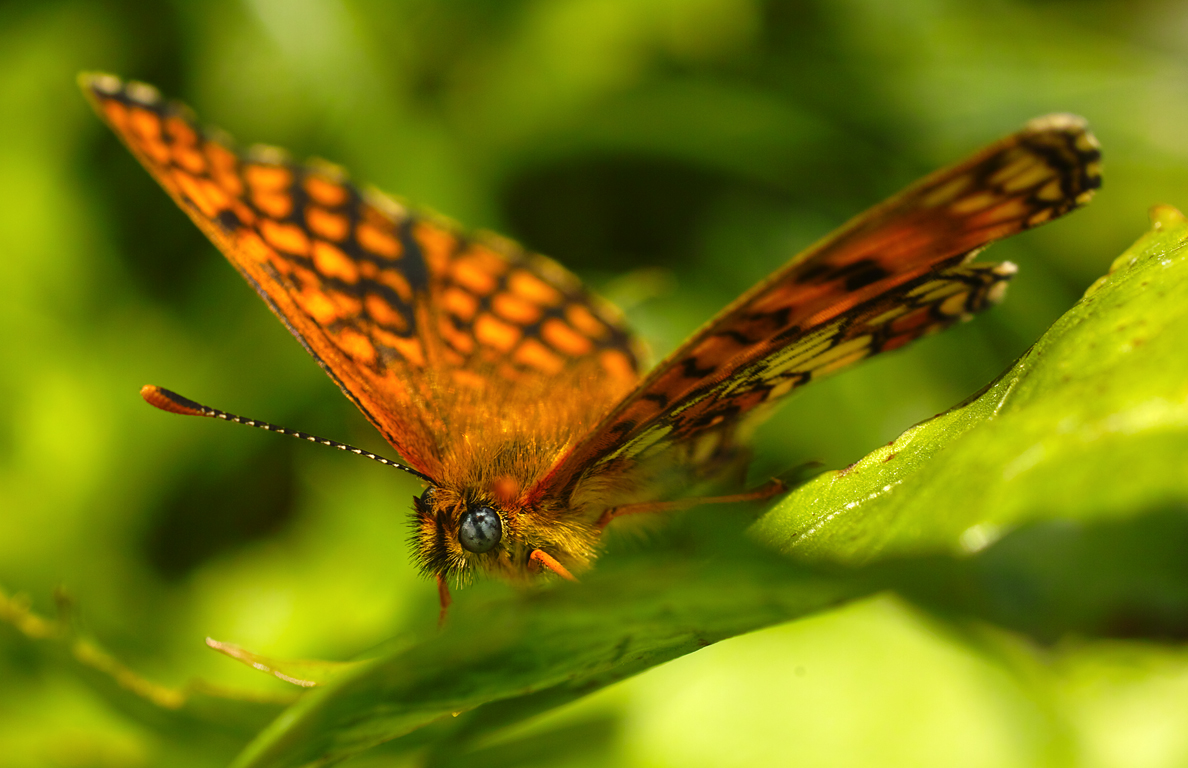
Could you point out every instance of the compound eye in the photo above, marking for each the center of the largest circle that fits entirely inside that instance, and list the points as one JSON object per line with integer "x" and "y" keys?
{"x": 480, "y": 529}
{"x": 427, "y": 497}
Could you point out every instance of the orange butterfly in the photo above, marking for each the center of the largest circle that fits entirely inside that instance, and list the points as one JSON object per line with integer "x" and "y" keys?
{"x": 511, "y": 390}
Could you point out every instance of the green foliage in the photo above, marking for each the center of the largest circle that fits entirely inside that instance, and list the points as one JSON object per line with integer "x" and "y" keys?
{"x": 923, "y": 515}
{"x": 1016, "y": 597}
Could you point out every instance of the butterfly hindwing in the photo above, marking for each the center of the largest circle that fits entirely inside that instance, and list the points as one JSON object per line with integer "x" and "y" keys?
{"x": 708, "y": 419}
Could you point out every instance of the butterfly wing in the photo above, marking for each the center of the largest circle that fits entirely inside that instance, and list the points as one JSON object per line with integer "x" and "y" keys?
{"x": 888, "y": 276}
{"x": 397, "y": 307}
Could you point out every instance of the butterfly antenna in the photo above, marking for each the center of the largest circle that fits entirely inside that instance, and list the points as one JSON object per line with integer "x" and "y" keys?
{"x": 162, "y": 398}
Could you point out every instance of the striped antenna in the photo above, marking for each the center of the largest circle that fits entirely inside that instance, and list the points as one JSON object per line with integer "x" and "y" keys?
{"x": 162, "y": 398}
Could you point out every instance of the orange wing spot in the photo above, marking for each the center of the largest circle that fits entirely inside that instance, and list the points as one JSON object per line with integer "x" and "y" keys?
{"x": 289, "y": 268}
{"x": 146, "y": 131}
{"x": 459, "y": 340}
{"x": 583, "y": 319}
{"x": 253, "y": 247}
{"x": 332, "y": 226}
{"x": 536, "y": 355}
{"x": 190, "y": 187}
{"x": 189, "y": 158}
{"x": 368, "y": 269}
{"x": 409, "y": 350}
{"x": 436, "y": 243}
{"x": 350, "y": 306}
{"x": 246, "y": 215}
{"x": 377, "y": 241}
{"x": 383, "y": 313}
{"x": 533, "y": 288}
{"x": 221, "y": 158}
{"x": 459, "y": 302}
{"x": 217, "y": 195}
{"x": 181, "y": 131}
{"x": 278, "y": 205}
{"x": 565, "y": 339}
{"x": 618, "y": 365}
{"x": 496, "y": 333}
{"x": 332, "y": 262}
{"x": 156, "y": 150}
{"x": 469, "y": 274}
{"x": 287, "y": 237}
{"x": 268, "y": 177}
{"x": 302, "y": 277}
{"x": 318, "y": 306}
{"x": 145, "y": 124}
{"x": 517, "y": 310}
{"x": 356, "y": 345}
{"x": 225, "y": 168}
{"x": 230, "y": 182}
{"x": 397, "y": 282}
{"x": 486, "y": 259}
{"x": 116, "y": 114}
{"x": 325, "y": 191}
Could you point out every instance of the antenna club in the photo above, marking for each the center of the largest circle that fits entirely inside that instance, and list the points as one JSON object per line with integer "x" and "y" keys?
{"x": 162, "y": 398}
{"x": 166, "y": 400}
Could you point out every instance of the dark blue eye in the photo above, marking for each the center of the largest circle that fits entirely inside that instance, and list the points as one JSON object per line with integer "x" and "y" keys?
{"x": 480, "y": 529}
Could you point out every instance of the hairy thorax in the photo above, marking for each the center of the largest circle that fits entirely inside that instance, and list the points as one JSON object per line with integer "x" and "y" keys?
{"x": 499, "y": 441}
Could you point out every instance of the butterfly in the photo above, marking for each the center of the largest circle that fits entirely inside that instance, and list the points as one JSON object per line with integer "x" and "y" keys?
{"x": 513, "y": 392}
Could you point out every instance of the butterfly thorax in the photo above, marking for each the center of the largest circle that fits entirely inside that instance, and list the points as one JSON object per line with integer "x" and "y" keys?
{"x": 491, "y": 505}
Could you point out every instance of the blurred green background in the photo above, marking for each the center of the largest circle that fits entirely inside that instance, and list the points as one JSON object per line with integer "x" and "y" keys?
{"x": 672, "y": 153}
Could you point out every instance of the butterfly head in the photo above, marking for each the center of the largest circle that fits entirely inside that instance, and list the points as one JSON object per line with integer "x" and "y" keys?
{"x": 458, "y": 533}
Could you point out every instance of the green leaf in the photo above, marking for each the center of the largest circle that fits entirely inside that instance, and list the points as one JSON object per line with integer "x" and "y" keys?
{"x": 532, "y": 652}
{"x": 1090, "y": 423}
{"x": 1069, "y": 469}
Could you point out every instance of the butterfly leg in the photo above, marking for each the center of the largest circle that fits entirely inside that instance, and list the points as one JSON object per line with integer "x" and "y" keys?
{"x": 765, "y": 491}
{"x": 550, "y": 562}
{"x": 443, "y": 593}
